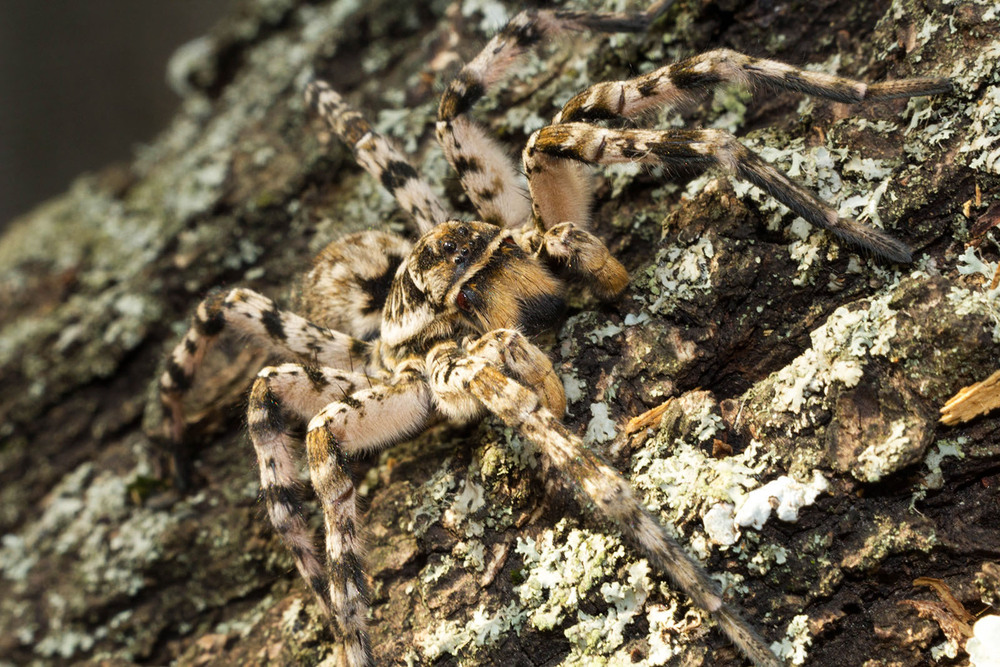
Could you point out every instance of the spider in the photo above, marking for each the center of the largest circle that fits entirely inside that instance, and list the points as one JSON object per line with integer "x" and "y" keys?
{"x": 397, "y": 334}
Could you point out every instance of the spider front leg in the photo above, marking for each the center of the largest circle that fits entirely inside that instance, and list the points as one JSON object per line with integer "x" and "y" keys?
{"x": 302, "y": 391}
{"x": 556, "y": 148}
{"x": 464, "y": 383}
{"x": 367, "y": 420}
{"x": 553, "y": 154}
{"x": 488, "y": 175}
{"x": 680, "y": 82}
{"x": 512, "y": 351}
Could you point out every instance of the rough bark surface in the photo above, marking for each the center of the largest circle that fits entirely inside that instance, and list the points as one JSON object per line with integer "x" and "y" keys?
{"x": 786, "y": 354}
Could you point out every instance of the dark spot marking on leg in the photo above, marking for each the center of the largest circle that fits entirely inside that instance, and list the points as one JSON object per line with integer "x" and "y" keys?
{"x": 685, "y": 78}
{"x": 320, "y": 585}
{"x": 181, "y": 382}
{"x": 461, "y": 94}
{"x": 271, "y": 320}
{"x": 316, "y": 377}
{"x": 273, "y": 420}
{"x": 397, "y": 174}
{"x": 526, "y": 34}
{"x": 212, "y": 326}
{"x": 466, "y": 164}
{"x": 354, "y": 129}
{"x": 648, "y": 87}
{"x": 280, "y": 495}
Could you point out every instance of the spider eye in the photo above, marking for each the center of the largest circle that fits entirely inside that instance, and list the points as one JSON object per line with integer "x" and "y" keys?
{"x": 448, "y": 247}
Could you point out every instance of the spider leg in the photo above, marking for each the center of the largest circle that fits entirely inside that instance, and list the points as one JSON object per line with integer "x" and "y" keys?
{"x": 586, "y": 256}
{"x": 552, "y": 148}
{"x": 511, "y": 350}
{"x": 253, "y": 315}
{"x": 366, "y": 420}
{"x": 378, "y": 156}
{"x": 486, "y": 171}
{"x": 349, "y": 282}
{"x": 461, "y": 377}
{"x": 676, "y": 83}
{"x": 302, "y": 391}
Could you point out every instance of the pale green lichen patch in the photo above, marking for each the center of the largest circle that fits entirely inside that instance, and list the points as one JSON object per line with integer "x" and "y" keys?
{"x": 679, "y": 274}
{"x": 463, "y": 639}
{"x": 565, "y": 566}
{"x": 943, "y": 449}
{"x": 435, "y": 492}
{"x": 674, "y": 473}
{"x": 561, "y": 567}
{"x": 885, "y": 456}
{"x": 984, "y": 299}
{"x": 107, "y": 545}
{"x": 840, "y": 348}
{"x": 886, "y": 535}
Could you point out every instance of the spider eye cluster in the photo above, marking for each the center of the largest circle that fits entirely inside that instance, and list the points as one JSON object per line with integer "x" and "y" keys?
{"x": 458, "y": 247}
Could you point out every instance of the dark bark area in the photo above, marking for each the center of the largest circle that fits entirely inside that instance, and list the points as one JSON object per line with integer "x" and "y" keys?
{"x": 786, "y": 354}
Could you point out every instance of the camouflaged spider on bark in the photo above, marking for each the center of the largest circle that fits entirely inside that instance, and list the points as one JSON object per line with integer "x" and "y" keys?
{"x": 394, "y": 334}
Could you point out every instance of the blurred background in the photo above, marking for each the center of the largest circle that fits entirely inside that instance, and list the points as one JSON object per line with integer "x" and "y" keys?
{"x": 81, "y": 82}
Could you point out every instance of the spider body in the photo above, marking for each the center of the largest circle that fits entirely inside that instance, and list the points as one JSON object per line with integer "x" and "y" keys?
{"x": 393, "y": 335}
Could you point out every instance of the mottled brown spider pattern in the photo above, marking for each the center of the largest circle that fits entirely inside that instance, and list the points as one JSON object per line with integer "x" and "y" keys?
{"x": 395, "y": 334}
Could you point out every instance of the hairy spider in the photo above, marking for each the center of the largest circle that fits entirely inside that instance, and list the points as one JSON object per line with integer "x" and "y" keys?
{"x": 395, "y": 334}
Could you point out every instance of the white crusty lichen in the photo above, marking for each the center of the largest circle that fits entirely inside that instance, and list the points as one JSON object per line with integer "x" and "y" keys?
{"x": 433, "y": 497}
{"x": 108, "y": 544}
{"x": 680, "y": 478}
{"x": 785, "y": 496}
{"x": 984, "y": 646}
{"x": 563, "y": 567}
{"x": 855, "y": 186}
{"x": 601, "y": 427}
{"x": 466, "y": 638}
{"x": 797, "y": 639}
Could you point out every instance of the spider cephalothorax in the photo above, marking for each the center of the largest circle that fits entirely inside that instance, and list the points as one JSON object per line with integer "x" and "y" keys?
{"x": 468, "y": 277}
{"x": 393, "y": 335}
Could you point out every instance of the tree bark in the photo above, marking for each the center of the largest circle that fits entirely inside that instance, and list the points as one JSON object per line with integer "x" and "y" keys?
{"x": 785, "y": 353}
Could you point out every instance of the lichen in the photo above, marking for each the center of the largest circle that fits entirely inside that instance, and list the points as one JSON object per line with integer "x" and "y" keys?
{"x": 838, "y": 353}
{"x": 986, "y": 298}
{"x": 679, "y": 477}
{"x": 984, "y": 646}
{"x": 885, "y": 456}
{"x": 796, "y": 641}
{"x": 785, "y": 496}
